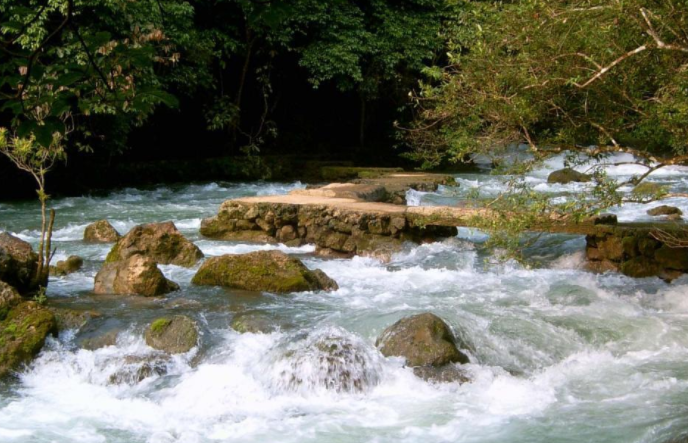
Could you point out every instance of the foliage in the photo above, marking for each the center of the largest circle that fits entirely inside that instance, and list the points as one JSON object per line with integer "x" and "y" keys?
{"x": 558, "y": 75}
{"x": 527, "y": 80}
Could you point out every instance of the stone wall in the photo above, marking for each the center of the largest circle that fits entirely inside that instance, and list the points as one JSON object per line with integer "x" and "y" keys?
{"x": 637, "y": 252}
{"x": 334, "y": 231}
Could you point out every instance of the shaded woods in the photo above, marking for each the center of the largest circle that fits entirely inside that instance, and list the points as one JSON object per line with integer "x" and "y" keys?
{"x": 179, "y": 80}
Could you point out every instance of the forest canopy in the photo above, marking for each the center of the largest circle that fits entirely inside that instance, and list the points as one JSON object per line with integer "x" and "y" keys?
{"x": 455, "y": 77}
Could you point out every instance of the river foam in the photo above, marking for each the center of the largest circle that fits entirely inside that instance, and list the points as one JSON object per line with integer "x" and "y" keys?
{"x": 557, "y": 354}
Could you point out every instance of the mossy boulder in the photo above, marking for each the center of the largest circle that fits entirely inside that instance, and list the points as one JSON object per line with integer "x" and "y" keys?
{"x": 101, "y": 232}
{"x": 9, "y": 298}
{"x": 18, "y": 263}
{"x": 423, "y": 340}
{"x": 568, "y": 175}
{"x": 639, "y": 267}
{"x": 72, "y": 264}
{"x": 137, "y": 275}
{"x": 672, "y": 258}
{"x": 174, "y": 335}
{"x": 23, "y": 333}
{"x": 271, "y": 271}
{"x": 664, "y": 210}
{"x": 161, "y": 242}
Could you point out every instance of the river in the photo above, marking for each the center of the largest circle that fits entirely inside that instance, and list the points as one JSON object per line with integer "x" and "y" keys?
{"x": 558, "y": 354}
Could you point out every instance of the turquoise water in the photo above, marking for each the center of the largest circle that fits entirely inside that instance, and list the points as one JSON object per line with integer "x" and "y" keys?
{"x": 557, "y": 354}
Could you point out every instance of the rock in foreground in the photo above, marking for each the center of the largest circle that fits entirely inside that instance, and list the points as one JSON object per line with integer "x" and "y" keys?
{"x": 161, "y": 242}
{"x": 101, "y": 232}
{"x": 18, "y": 263}
{"x": 136, "y": 275}
{"x": 423, "y": 340}
{"x": 9, "y": 298}
{"x": 568, "y": 175}
{"x": 271, "y": 271}
{"x": 23, "y": 334}
{"x": 175, "y": 335}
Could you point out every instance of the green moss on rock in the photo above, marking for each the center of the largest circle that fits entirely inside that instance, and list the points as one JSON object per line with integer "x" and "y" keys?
{"x": 23, "y": 334}
{"x": 175, "y": 335}
{"x": 271, "y": 271}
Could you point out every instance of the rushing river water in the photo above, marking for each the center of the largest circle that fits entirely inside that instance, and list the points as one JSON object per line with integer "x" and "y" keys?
{"x": 558, "y": 354}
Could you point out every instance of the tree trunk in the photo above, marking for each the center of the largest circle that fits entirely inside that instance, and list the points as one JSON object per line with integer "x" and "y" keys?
{"x": 242, "y": 82}
{"x": 361, "y": 127}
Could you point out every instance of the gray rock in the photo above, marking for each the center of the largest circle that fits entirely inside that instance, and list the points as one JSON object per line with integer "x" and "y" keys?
{"x": 174, "y": 335}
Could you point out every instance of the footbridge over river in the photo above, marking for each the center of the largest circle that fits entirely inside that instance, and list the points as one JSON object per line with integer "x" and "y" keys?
{"x": 369, "y": 216}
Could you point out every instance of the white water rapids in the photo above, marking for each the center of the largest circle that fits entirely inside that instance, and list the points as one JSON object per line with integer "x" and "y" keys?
{"x": 557, "y": 354}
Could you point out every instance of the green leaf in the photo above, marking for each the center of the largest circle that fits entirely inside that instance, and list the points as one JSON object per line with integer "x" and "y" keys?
{"x": 68, "y": 79}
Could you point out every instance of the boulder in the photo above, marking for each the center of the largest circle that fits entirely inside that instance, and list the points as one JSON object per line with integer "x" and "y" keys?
{"x": 174, "y": 335}
{"x": 423, "y": 340}
{"x": 271, "y": 271}
{"x": 69, "y": 266}
{"x": 664, "y": 210}
{"x": 136, "y": 275}
{"x": 18, "y": 263}
{"x": 161, "y": 242}
{"x": 9, "y": 298}
{"x": 23, "y": 334}
{"x": 568, "y": 175}
{"x": 101, "y": 232}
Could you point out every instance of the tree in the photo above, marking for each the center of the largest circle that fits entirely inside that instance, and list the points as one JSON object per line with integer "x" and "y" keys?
{"x": 582, "y": 78}
{"x": 59, "y": 67}
{"x": 559, "y": 75}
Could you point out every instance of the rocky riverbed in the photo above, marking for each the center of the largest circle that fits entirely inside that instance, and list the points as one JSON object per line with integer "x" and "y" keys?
{"x": 553, "y": 353}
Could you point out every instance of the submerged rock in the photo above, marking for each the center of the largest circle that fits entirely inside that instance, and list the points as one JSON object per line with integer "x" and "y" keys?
{"x": 330, "y": 360}
{"x": 9, "y": 298}
{"x": 271, "y": 271}
{"x": 136, "y": 275}
{"x": 135, "y": 369}
{"x": 665, "y": 210}
{"x": 161, "y": 242}
{"x": 69, "y": 266}
{"x": 255, "y": 323}
{"x": 101, "y": 232}
{"x": 568, "y": 175}
{"x": 174, "y": 335}
{"x": 444, "y": 374}
{"x": 23, "y": 333}
{"x": 423, "y": 340}
{"x": 72, "y": 318}
{"x": 18, "y": 263}
{"x": 107, "y": 338}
